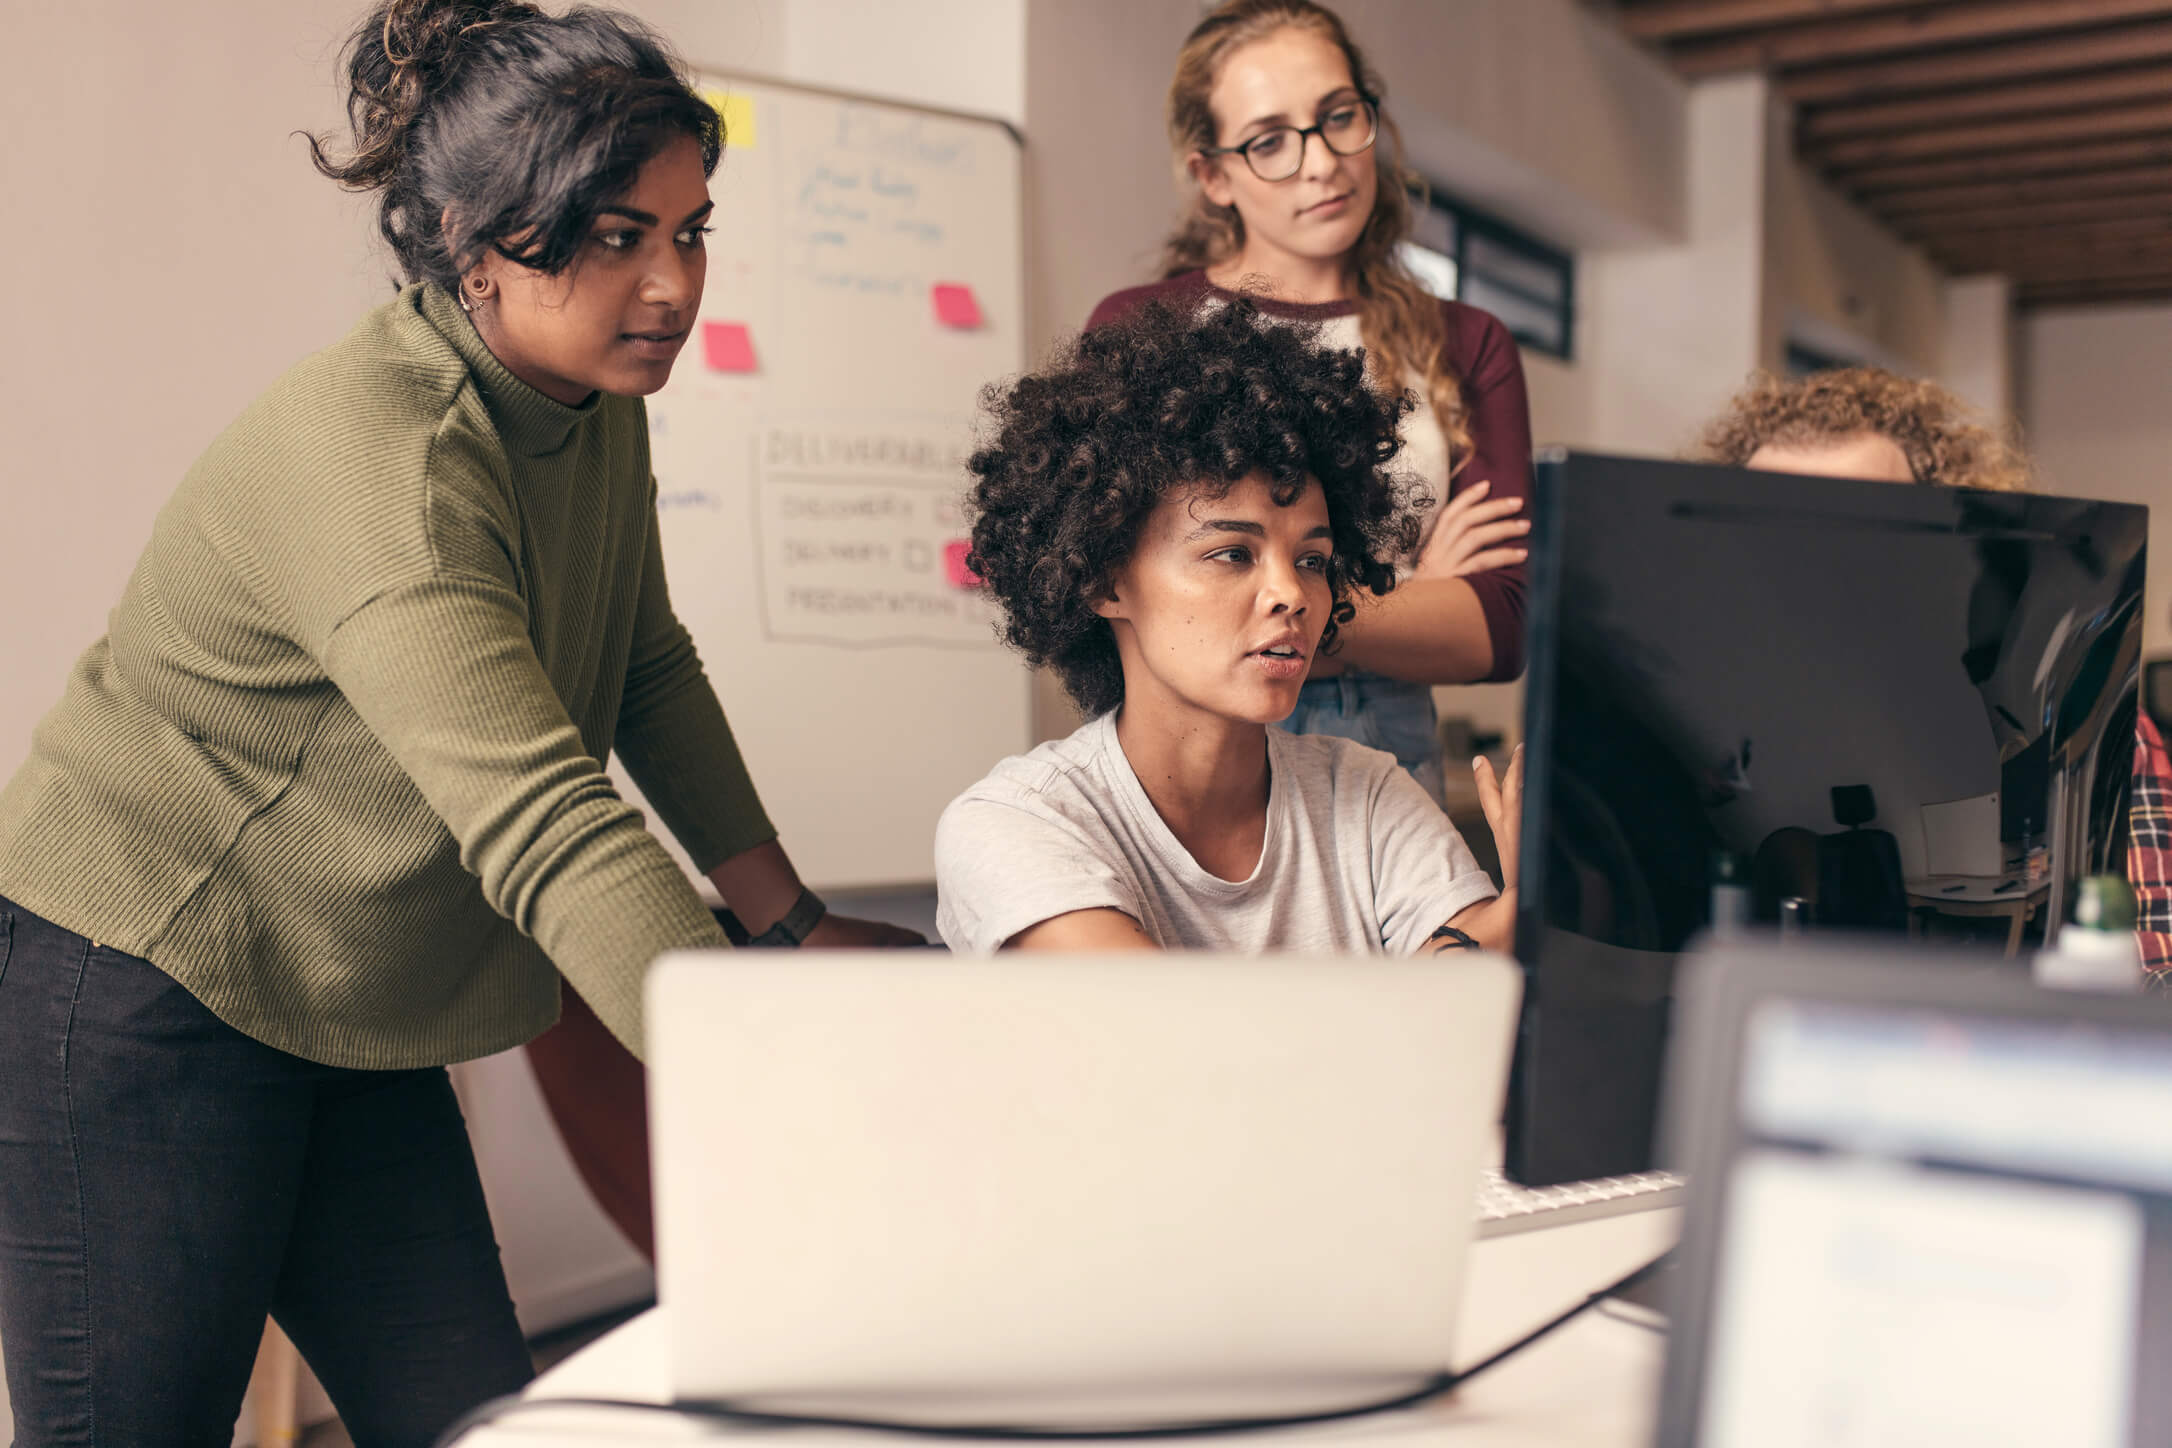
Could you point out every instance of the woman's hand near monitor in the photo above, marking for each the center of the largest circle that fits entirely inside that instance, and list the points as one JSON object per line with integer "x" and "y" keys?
{"x": 1492, "y": 925}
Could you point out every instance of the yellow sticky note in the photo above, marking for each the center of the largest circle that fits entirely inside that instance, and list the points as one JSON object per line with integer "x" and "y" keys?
{"x": 738, "y": 114}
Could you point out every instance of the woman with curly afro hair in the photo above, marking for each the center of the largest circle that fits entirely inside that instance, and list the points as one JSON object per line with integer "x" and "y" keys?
{"x": 1174, "y": 515}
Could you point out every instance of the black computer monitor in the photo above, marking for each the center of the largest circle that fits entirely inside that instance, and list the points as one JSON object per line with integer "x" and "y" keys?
{"x": 1744, "y": 689}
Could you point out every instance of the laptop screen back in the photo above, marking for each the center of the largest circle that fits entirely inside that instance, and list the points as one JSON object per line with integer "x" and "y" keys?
{"x": 1936, "y": 1224}
{"x": 1186, "y": 1182}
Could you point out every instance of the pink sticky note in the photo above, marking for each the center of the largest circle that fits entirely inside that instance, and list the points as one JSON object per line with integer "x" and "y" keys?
{"x": 727, "y": 347}
{"x": 956, "y": 306}
{"x": 955, "y": 567}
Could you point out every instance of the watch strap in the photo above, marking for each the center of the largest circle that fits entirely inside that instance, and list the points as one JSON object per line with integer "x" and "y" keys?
{"x": 798, "y": 922}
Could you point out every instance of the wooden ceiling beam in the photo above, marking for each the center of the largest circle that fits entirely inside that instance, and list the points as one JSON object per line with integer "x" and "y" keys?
{"x": 2017, "y": 256}
{"x": 2102, "y": 284}
{"x": 2039, "y": 55}
{"x": 2141, "y": 289}
{"x": 2152, "y": 238}
{"x": 2039, "y": 266}
{"x": 2105, "y": 88}
{"x": 1928, "y": 142}
{"x": 1917, "y": 28}
{"x": 2096, "y": 283}
{"x": 2139, "y": 211}
{"x": 2033, "y": 164}
{"x": 1675, "y": 19}
{"x": 2139, "y": 181}
{"x": 2053, "y": 271}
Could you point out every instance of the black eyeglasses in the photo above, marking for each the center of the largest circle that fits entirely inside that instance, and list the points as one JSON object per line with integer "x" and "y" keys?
{"x": 1277, "y": 155}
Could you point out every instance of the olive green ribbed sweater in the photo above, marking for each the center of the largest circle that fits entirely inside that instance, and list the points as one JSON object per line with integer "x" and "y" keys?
{"x": 334, "y": 766}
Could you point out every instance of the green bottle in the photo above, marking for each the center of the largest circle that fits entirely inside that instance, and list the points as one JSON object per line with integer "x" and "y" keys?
{"x": 2098, "y": 951}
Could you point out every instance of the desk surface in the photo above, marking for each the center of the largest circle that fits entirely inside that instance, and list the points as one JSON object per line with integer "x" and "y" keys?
{"x": 1943, "y": 890}
{"x": 1593, "y": 1384}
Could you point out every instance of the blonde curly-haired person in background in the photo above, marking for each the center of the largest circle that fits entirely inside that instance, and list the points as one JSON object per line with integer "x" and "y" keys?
{"x": 1866, "y": 422}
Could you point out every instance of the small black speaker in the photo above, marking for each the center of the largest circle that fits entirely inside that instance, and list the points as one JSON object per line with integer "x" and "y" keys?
{"x": 1854, "y": 805}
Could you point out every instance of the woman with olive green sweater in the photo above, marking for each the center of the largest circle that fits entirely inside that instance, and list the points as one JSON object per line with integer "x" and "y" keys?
{"x": 325, "y": 810}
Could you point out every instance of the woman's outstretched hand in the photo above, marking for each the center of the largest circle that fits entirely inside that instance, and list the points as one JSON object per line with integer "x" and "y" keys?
{"x": 1502, "y": 800}
{"x": 1474, "y": 533}
{"x": 1492, "y": 925}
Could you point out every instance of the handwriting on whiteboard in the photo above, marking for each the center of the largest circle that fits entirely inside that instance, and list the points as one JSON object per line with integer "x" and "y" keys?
{"x": 854, "y": 526}
{"x": 863, "y": 201}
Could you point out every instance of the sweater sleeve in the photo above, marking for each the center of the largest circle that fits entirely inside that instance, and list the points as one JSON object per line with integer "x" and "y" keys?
{"x": 673, "y": 736}
{"x": 1499, "y": 416}
{"x": 443, "y": 673}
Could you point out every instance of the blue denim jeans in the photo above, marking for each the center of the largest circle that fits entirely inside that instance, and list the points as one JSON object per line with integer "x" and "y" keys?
{"x": 166, "y": 1182}
{"x": 1381, "y": 712}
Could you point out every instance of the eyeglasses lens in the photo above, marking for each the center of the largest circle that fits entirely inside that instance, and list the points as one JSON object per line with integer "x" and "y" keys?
{"x": 1277, "y": 155}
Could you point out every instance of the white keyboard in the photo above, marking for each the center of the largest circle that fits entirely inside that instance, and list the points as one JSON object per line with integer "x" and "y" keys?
{"x": 1505, "y": 1207}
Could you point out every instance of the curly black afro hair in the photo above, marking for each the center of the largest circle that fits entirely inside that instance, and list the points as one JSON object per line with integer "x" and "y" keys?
{"x": 1076, "y": 456}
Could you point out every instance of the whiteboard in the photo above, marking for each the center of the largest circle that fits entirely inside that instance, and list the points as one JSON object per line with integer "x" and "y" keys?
{"x": 809, "y": 453}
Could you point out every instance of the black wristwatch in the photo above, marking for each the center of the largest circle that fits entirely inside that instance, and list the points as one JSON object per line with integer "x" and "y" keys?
{"x": 798, "y": 923}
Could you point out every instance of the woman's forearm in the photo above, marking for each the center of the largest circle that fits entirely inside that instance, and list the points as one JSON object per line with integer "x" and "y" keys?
{"x": 1492, "y": 923}
{"x": 1428, "y": 631}
{"x": 759, "y": 885}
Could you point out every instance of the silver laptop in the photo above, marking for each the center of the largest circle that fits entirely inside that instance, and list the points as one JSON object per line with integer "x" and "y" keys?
{"x": 1065, "y": 1186}
{"x": 1928, "y": 1203}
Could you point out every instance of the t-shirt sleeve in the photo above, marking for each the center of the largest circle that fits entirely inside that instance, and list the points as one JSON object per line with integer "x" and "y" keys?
{"x": 1005, "y": 865}
{"x": 1423, "y": 873}
{"x": 673, "y": 736}
{"x": 1498, "y": 412}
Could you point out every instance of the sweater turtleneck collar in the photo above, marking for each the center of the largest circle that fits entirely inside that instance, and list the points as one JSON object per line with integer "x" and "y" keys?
{"x": 531, "y": 424}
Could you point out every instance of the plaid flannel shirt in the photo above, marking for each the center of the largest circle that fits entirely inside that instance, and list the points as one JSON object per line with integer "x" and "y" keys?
{"x": 2149, "y": 850}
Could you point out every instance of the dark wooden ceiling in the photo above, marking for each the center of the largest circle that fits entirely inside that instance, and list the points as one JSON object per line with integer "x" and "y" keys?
{"x": 2027, "y": 137}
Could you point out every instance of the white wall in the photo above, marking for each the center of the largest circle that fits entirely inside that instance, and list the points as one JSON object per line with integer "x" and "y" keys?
{"x": 1541, "y": 110}
{"x": 173, "y": 253}
{"x": 1671, "y": 330}
{"x": 1837, "y": 277}
{"x": 2096, "y": 407}
{"x": 1977, "y": 351}
{"x": 960, "y": 55}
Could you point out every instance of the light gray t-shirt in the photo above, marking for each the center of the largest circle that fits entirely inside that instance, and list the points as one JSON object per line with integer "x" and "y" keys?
{"x": 1357, "y": 860}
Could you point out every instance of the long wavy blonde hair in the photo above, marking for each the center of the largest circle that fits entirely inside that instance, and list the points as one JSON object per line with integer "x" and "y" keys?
{"x": 1399, "y": 321}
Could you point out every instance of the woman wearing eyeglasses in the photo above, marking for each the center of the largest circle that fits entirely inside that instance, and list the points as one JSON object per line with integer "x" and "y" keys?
{"x": 1299, "y": 198}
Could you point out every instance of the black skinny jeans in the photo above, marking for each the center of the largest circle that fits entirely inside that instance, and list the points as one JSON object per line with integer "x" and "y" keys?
{"x": 166, "y": 1181}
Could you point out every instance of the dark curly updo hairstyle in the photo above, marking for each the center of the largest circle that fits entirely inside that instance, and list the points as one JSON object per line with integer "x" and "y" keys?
{"x": 513, "y": 125}
{"x": 1076, "y": 456}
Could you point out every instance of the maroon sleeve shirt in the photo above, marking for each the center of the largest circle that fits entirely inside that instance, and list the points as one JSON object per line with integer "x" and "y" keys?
{"x": 1480, "y": 351}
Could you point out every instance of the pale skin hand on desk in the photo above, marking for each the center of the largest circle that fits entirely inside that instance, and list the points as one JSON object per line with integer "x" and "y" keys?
{"x": 1431, "y": 630}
